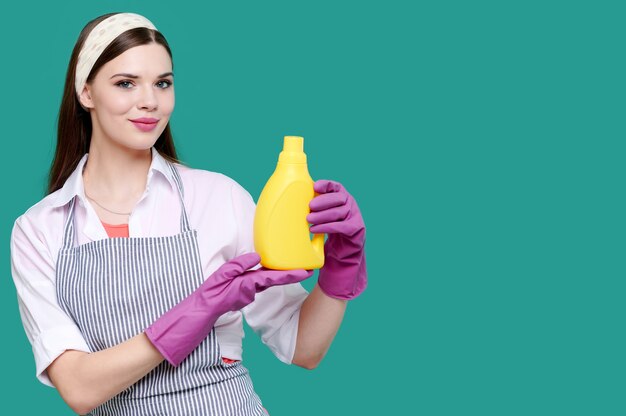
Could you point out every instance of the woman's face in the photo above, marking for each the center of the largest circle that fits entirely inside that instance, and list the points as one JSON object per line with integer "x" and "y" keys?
{"x": 131, "y": 97}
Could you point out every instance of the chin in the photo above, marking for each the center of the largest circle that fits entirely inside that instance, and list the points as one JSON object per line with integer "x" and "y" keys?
{"x": 144, "y": 145}
{"x": 138, "y": 143}
{"x": 142, "y": 141}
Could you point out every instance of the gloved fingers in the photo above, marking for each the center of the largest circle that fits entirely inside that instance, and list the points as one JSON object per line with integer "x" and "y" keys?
{"x": 339, "y": 213}
{"x": 324, "y": 186}
{"x": 240, "y": 264}
{"x": 348, "y": 228}
{"x": 325, "y": 201}
{"x": 265, "y": 278}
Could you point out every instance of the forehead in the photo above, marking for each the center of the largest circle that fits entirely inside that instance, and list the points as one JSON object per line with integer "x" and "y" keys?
{"x": 144, "y": 60}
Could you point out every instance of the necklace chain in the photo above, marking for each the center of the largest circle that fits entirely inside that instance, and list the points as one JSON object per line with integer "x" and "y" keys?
{"x": 105, "y": 208}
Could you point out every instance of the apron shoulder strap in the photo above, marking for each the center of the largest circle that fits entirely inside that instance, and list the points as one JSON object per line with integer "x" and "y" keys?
{"x": 184, "y": 220}
{"x": 68, "y": 230}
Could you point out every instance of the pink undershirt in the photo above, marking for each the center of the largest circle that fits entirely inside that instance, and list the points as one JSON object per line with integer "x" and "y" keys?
{"x": 121, "y": 230}
{"x": 118, "y": 230}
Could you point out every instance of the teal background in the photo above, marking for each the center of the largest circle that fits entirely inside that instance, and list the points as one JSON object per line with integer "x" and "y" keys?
{"x": 483, "y": 141}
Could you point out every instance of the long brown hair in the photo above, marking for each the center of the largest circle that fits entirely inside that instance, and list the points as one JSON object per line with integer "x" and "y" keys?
{"x": 74, "y": 125}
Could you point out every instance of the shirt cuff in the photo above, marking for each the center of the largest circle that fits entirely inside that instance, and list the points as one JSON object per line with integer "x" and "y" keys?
{"x": 50, "y": 344}
{"x": 283, "y": 342}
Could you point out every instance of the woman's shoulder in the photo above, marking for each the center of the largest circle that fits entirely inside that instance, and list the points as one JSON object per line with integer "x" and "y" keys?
{"x": 217, "y": 192}
{"x": 206, "y": 181}
{"x": 42, "y": 210}
{"x": 41, "y": 218}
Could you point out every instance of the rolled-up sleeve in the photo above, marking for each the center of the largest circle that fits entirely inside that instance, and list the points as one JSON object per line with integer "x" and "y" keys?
{"x": 275, "y": 312}
{"x": 48, "y": 328}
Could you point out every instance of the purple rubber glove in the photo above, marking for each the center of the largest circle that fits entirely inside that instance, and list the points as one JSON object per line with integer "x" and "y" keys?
{"x": 335, "y": 212}
{"x": 231, "y": 287}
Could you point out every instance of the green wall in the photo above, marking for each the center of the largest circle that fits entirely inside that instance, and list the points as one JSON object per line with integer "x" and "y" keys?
{"x": 483, "y": 141}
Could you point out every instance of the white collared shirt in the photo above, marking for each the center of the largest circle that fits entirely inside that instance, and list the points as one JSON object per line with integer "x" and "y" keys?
{"x": 218, "y": 208}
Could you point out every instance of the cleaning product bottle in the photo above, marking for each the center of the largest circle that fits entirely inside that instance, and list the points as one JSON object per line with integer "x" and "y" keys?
{"x": 281, "y": 231}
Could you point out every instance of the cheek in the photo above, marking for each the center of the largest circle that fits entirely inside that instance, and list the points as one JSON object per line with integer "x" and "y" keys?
{"x": 167, "y": 104}
{"x": 115, "y": 105}
{"x": 121, "y": 104}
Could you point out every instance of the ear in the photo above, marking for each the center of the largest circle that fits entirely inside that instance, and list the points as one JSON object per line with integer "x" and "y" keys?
{"x": 85, "y": 98}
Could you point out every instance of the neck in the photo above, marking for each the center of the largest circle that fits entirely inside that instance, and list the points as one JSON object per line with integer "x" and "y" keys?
{"x": 116, "y": 174}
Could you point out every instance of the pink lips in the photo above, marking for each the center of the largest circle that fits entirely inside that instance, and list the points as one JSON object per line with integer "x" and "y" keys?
{"x": 145, "y": 123}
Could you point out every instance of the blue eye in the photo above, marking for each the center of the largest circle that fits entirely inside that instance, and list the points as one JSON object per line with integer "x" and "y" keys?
{"x": 124, "y": 84}
{"x": 164, "y": 84}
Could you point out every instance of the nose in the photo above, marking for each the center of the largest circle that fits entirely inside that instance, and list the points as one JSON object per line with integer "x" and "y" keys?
{"x": 148, "y": 99}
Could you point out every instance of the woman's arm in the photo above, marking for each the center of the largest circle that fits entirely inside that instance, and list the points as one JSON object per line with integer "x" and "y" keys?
{"x": 343, "y": 276}
{"x": 86, "y": 380}
{"x": 320, "y": 318}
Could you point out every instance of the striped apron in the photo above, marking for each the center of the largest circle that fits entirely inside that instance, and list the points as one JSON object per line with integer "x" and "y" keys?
{"x": 115, "y": 288}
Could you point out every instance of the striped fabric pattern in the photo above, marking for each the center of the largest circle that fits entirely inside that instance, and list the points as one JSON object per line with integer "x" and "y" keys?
{"x": 115, "y": 288}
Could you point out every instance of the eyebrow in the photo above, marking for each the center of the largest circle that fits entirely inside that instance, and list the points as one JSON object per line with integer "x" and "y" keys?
{"x": 137, "y": 76}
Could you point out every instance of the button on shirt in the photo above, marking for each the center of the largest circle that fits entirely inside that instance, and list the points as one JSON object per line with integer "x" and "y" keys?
{"x": 219, "y": 209}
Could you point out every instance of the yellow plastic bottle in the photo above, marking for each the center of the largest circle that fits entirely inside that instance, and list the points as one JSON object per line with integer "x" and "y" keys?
{"x": 281, "y": 231}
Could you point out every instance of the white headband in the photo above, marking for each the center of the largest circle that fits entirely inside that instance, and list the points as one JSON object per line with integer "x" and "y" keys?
{"x": 100, "y": 37}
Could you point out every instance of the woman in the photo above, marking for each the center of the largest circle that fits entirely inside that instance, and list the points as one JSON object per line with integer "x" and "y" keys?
{"x": 133, "y": 273}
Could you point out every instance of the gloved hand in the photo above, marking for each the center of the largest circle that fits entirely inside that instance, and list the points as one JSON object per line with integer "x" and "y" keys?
{"x": 335, "y": 212}
{"x": 231, "y": 287}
